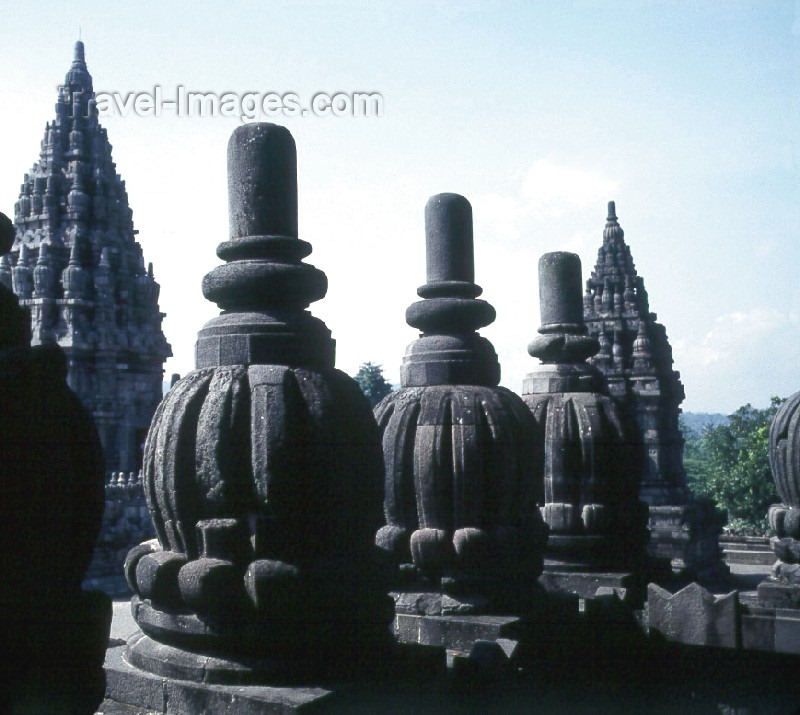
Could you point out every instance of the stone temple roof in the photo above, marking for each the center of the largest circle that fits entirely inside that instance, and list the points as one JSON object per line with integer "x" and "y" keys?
{"x": 74, "y": 234}
{"x": 616, "y": 309}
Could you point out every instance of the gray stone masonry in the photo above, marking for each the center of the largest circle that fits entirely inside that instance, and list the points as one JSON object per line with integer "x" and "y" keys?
{"x": 636, "y": 359}
{"x": 78, "y": 269}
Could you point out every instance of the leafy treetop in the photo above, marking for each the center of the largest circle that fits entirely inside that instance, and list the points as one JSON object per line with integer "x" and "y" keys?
{"x": 372, "y": 382}
{"x": 729, "y": 463}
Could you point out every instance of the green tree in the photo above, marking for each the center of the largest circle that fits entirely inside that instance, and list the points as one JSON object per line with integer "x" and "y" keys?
{"x": 372, "y": 382}
{"x": 729, "y": 463}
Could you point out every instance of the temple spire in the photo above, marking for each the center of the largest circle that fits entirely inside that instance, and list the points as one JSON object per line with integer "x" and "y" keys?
{"x": 613, "y": 231}
{"x": 72, "y": 209}
{"x": 78, "y": 77}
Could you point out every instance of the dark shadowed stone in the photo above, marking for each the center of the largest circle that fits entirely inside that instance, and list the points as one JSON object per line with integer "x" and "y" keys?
{"x": 52, "y": 633}
{"x": 262, "y": 195}
{"x": 449, "y": 245}
{"x": 156, "y": 576}
{"x": 128, "y": 684}
{"x": 560, "y": 301}
{"x": 262, "y": 468}
{"x": 582, "y": 447}
{"x": 782, "y": 588}
{"x": 6, "y": 234}
{"x": 461, "y": 509}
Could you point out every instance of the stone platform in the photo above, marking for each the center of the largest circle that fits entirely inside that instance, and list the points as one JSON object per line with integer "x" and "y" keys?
{"x": 610, "y": 667}
{"x": 126, "y": 684}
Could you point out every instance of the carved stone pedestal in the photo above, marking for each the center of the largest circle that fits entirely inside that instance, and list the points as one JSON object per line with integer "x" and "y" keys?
{"x": 262, "y": 470}
{"x": 132, "y": 686}
{"x": 584, "y": 451}
{"x": 460, "y": 496}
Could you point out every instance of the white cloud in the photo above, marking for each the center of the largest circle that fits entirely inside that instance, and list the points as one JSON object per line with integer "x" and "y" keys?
{"x": 754, "y": 351}
{"x": 738, "y": 330}
{"x": 732, "y": 334}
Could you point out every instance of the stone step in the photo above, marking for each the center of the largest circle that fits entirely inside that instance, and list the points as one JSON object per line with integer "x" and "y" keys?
{"x": 747, "y": 556}
{"x": 745, "y": 546}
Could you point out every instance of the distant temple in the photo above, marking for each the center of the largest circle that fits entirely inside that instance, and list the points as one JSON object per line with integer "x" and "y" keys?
{"x": 77, "y": 267}
{"x": 636, "y": 359}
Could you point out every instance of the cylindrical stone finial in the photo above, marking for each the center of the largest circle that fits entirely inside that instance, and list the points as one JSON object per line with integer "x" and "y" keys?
{"x": 448, "y": 238}
{"x": 560, "y": 290}
{"x": 612, "y": 211}
{"x": 262, "y": 181}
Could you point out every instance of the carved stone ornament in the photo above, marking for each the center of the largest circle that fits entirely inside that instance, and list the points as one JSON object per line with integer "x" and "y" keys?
{"x": 584, "y": 450}
{"x": 262, "y": 467}
{"x": 784, "y": 518}
{"x": 460, "y": 495}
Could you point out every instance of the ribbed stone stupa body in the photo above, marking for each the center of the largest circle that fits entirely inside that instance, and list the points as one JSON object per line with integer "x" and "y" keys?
{"x": 77, "y": 267}
{"x": 262, "y": 467}
{"x": 460, "y": 493}
{"x": 586, "y": 452}
{"x": 782, "y": 589}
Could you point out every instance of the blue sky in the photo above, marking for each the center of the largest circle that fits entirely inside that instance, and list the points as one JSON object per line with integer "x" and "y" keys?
{"x": 686, "y": 113}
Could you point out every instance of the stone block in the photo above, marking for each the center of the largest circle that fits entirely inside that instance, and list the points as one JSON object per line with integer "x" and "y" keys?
{"x": 694, "y": 616}
{"x": 457, "y": 633}
{"x": 584, "y": 584}
{"x": 773, "y": 594}
{"x": 787, "y": 631}
{"x": 758, "y": 629}
{"x": 406, "y": 628}
{"x": 131, "y": 686}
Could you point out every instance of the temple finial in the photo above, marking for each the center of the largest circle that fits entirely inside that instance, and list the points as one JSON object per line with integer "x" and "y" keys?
{"x": 449, "y": 313}
{"x": 449, "y": 242}
{"x": 78, "y": 55}
{"x": 612, "y": 230}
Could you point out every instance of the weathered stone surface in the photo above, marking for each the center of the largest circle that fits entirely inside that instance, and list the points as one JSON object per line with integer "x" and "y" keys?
{"x": 636, "y": 359}
{"x": 460, "y": 505}
{"x": 262, "y": 467}
{"x": 455, "y": 632}
{"x": 694, "y": 616}
{"x": 777, "y": 593}
{"x": 78, "y": 269}
{"x": 590, "y": 584}
{"x": 583, "y": 443}
{"x": 782, "y": 588}
{"x": 126, "y": 684}
{"x": 774, "y": 629}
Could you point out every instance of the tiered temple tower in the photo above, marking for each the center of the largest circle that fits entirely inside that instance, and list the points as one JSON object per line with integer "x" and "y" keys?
{"x": 636, "y": 359}
{"x": 77, "y": 267}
